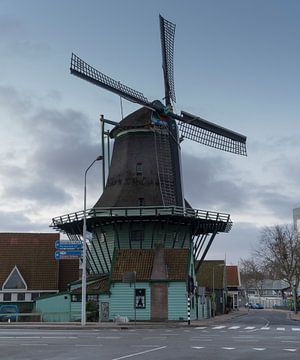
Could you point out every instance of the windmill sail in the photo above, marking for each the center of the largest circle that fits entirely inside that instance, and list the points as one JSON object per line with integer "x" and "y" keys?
{"x": 167, "y": 35}
{"x": 202, "y": 131}
{"x": 83, "y": 70}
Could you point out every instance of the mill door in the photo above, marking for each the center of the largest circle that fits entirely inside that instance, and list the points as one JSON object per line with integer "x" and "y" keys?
{"x": 159, "y": 301}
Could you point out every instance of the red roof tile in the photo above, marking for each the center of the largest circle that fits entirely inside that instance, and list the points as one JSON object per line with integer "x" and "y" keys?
{"x": 141, "y": 261}
{"x": 33, "y": 254}
{"x": 232, "y": 276}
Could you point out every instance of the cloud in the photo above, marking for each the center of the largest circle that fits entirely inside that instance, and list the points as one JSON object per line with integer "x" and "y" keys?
{"x": 16, "y": 221}
{"x": 236, "y": 244}
{"x": 203, "y": 184}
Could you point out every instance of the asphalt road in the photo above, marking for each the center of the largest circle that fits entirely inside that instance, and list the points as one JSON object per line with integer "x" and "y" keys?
{"x": 257, "y": 335}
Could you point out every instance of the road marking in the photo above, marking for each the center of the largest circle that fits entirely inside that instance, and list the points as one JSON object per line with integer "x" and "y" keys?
{"x": 234, "y": 327}
{"x": 201, "y": 327}
{"x": 139, "y": 353}
{"x": 259, "y": 349}
{"x": 280, "y": 329}
{"x": 219, "y": 327}
{"x": 95, "y": 345}
{"x": 198, "y": 347}
{"x": 108, "y": 337}
{"x": 249, "y": 327}
{"x": 58, "y": 337}
{"x": 228, "y": 348}
{"x": 291, "y": 350}
{"x": 201, "y": 339}
{"x": 265, "y": 328}
{"x": 31, "y": 344}
{"x": 295, "y": 329}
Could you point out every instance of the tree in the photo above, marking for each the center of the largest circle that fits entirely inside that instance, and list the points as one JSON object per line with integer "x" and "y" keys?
{"x": 252, "y": 275}
{"x": 279, "y": 251}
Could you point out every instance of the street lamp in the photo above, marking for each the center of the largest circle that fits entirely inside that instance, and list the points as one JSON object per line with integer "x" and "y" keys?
{"x": 83, "y": 277}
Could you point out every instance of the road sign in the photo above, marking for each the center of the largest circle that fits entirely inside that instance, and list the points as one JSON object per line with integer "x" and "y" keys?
{"x": 67, "y": 245}
{"x": 67, "y": 254}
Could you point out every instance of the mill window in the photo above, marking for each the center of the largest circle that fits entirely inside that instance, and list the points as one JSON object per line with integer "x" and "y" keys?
{"x": 137, "y": 235}
{"x": 139, "y": 168}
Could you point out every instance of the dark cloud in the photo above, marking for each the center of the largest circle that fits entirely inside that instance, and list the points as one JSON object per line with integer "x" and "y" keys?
{"x": 42, "y": 192}
{"x": 205, "y": 188}
{"x": 16, "y": 221}
{"x": 14, "y": 102}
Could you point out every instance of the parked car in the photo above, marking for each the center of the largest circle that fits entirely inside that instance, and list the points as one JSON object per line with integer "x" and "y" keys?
{"x": 258, "y": 306}
{"x": 9, "y": 312}
{"x": 254, "y": 306}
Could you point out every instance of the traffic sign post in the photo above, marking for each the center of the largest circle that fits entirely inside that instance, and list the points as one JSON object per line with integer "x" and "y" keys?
{"x": 67, "y": 254}
{"x": 67, "y": 245}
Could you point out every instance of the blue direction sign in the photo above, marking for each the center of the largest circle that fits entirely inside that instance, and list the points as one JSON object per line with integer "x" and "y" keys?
{"x": 65, "y": 254}
{"x": 68, "y": 245}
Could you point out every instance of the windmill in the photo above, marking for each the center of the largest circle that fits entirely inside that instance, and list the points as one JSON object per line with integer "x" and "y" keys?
{"x": 173, "y": 127}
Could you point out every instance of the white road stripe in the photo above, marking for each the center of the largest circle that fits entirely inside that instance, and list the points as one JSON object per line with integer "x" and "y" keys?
{"x": 228, "y": 348}
{"x": 292, "y": 350}
{"x": 280, "y": 329}
{"x": 219, "y": 327}
{"x": 259, "y": 349}
{"x": 234, "y": 327}
{"x": 139, "y": 353}
{"x": 265, "y": 328}
{"x": 198, "y": 347}
{"x": 249, "y": 327}
{"x": 295, "y": 329}
{"x": 201, "y": 327}
{"x": 108, "y": 337}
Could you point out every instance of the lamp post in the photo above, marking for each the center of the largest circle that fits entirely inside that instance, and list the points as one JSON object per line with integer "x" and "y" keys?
{"x": 83, "y": 277}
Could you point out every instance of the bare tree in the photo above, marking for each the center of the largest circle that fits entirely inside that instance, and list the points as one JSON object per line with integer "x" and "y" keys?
{"x": 279, "y": 251}
{"x": 252, "y": 275}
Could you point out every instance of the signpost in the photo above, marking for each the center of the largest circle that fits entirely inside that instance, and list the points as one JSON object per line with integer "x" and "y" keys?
{"x": 67, "y": 250}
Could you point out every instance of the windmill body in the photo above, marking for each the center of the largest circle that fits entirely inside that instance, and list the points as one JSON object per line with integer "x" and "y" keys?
{"x": 141, "y": 223}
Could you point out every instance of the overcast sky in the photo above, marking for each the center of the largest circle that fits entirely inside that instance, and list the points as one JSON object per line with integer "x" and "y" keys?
{"x": 236, "y": 64}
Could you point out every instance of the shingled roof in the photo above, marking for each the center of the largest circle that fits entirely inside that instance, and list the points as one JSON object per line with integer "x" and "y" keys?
{"x": 98, "y": 286}
{"x": 232, "y": 276}
{"x": 141, "y": 261}
{"x": 33, "y": 255}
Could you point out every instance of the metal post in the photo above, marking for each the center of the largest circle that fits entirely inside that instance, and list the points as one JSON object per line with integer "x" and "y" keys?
{"x": 214, "y": 295}
{"x": 103, "y": 150}
{"x": 134, "y": 298}
{"x": 189, "y": 309}
{"x": 83, "y": 278}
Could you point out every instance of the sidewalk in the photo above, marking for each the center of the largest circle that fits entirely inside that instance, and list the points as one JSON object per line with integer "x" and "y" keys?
{"x": 131, "y": 324}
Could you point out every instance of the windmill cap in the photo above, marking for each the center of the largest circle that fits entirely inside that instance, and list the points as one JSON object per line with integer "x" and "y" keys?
{"x": 140, "y": 118}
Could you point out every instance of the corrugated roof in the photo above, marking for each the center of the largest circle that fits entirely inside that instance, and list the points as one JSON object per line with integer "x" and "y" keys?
{"x": 141, "y": 261}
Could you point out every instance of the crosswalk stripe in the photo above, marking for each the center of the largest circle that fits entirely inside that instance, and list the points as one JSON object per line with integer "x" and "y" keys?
{"x": 280, "y": 329}
{"x": 295, "y": 329}
{"x": 219, "y": 327}
{"x": 234, "y": 327}
{"x": 249, "y": 327}
{"x": 292, "y": 350}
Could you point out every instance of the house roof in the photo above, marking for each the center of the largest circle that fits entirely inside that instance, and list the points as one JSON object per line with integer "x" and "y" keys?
{"x": 232, "y": 276}
{"x": 98, "y": 285}
{"x": 33, "y": 255}
{"x": 211, "y": 274}
{"x": 141, "y": 261}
